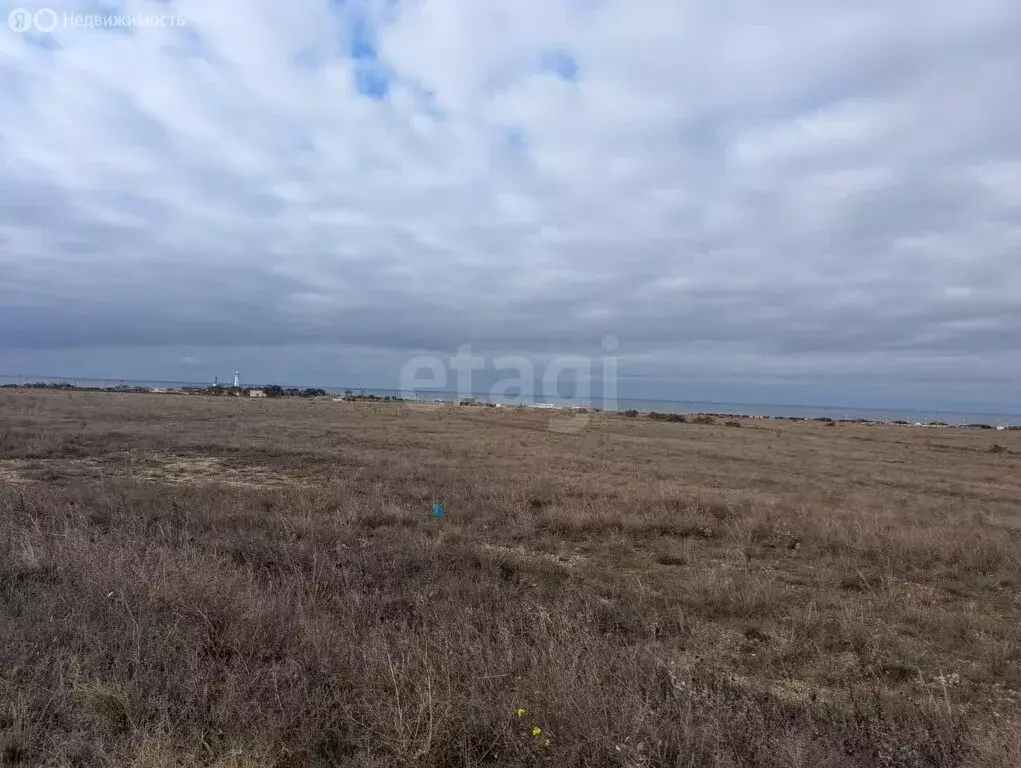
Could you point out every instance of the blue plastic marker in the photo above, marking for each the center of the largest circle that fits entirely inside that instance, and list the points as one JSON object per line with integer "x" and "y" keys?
{"x": 438, "y": 511}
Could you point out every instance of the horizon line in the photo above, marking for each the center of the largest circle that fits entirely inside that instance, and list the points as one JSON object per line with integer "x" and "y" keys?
{"x": 884, "y": 409}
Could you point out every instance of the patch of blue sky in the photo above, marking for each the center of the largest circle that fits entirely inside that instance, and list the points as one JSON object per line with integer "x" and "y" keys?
{"x": 561, "y": 63}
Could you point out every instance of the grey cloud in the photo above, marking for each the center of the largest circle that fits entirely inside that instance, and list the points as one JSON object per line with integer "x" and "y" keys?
{"x": 798, "y": 187}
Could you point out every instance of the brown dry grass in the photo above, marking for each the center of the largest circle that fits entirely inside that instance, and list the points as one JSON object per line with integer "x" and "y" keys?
{"x": 193, "y": 581}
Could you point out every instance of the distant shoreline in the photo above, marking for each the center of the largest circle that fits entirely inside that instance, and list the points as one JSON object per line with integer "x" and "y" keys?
{"x": 671, "y": 410}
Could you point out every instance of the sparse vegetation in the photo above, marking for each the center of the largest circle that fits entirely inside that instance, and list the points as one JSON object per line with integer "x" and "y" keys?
{"x": 237, "y": 582}
{"x": 678, "y": 418}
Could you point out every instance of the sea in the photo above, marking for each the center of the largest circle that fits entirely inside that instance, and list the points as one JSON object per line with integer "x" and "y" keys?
{"x": 766, "y": 410}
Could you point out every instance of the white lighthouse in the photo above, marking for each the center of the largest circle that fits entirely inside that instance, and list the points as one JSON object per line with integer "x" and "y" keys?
{"x": 237, "y": 380}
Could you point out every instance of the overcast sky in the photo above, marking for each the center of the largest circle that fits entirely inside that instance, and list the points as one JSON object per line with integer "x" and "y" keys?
{"x": 792, "y": 201}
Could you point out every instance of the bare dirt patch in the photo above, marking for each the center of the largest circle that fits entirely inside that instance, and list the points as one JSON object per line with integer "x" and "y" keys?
{"x": 11, "y": 471}
{"x": 562, "y": 559}
{"x": 163, "y": 468}
{"x": 148, "y": 467}
{"x": 28, "y": 471}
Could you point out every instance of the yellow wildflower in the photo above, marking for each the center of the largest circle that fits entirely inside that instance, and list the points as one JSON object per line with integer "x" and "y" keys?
{"x": 520, "y": 712}
{"x": 536, "y": 730}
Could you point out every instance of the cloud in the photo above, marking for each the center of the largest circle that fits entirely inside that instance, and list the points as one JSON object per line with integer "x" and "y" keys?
{"x": 734, "y": 188}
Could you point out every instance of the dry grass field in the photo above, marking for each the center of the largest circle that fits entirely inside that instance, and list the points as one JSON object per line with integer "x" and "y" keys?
{"x": 223, "y": 582}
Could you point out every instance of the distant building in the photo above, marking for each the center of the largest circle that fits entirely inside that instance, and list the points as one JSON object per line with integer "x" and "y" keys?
{"x": 256, "y": 393}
